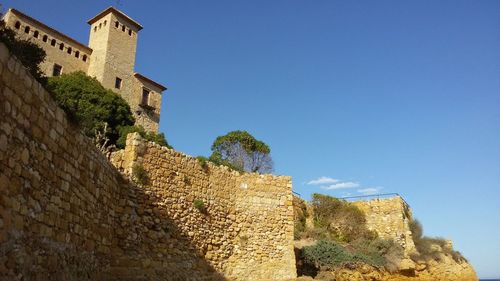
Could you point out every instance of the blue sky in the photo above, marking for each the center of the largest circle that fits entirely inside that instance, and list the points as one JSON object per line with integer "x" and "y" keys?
{"x": 384, "y": 96}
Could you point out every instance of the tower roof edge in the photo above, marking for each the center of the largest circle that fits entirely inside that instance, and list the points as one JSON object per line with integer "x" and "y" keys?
{"x": 112, "y": 9}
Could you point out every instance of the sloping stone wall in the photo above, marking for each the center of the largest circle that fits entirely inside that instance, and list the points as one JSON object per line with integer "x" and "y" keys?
{"x": 66, "y": 213}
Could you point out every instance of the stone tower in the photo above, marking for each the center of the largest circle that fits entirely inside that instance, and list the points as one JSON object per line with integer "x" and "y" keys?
{"x": 113, "y": 39}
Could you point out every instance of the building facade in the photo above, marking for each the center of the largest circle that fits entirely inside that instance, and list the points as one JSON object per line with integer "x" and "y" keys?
{"x": 109, "y": 57}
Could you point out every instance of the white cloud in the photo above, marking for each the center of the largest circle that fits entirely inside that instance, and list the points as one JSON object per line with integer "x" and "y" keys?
{"x": 369, "y": 191}
{"x": 341, "y": 185}
{"x": 322, "y": 180}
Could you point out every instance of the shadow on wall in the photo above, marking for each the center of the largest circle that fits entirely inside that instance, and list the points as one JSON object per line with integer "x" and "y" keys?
{"x": 65, "y": 212}
{"x": 150, "y": 245}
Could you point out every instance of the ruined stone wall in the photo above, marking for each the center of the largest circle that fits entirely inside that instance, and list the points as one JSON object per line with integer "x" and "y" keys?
{"x": 390, "y": 218}
{"x": 245, "y": 229}
{"x": 66, "y": 213}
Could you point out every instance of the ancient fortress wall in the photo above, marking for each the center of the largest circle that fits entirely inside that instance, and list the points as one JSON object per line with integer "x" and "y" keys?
{"x": 390, "y": 218}
{"x": 66, "y": 213}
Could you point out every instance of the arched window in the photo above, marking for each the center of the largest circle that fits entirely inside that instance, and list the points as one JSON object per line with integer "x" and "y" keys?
{"x": 35, "y": 34}
{"x": 18, "y": 25}
{"x": 27, "y": 29}
{"x": 61, "y": 46}
{"x": 69, "y": 50}
{"x": 117, "y": 24}
{"x": 123, "y": 28}
{"x": 45, "y": 38}
{"x": 100, "y": 25}
{"x": 105, "y": 22}
{"x": 84, "y": 58}
{"x": 53, "y": 42}
{"x": 77, "y": 54}
{"x": 95, "y": 28}
{"x": 130, "y": 32}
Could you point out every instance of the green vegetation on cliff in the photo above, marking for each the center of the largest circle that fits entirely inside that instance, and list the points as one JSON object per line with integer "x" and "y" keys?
{"x": 431, "y": 248}
{"x": 96, "y": 109}
{"x": 89, "y": 104}
{"x": 342, "y": 235}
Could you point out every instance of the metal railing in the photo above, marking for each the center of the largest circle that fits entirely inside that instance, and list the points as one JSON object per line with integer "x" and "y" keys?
{"x": 374, "y": 196}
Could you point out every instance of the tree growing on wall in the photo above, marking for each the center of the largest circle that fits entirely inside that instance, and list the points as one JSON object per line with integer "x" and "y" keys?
{"x": 241, "y": 151}
{"x": 30, "y": 54}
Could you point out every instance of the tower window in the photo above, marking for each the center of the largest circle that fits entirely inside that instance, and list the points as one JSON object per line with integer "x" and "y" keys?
{"x": 117, "y": 24}
{"x": 57, "y": 70}
{"x": 61, "y": 46}
{"x": 53, "y": 42}
{"x": 145, "y": 96}
{"x": 69, "y": 50}
{"x": 105, "y": 22}
{"x": 18, "y": 25}
{"x": 77, "y": 54}
{"x": 27, "y": 29}
{"x": 35, "y": 34}
{"x": 118, "y": 83}
{"x": 84, "y": 58}
{"x": 130, "y": 32}
{"x": 45, "y": 38}
{"x": 123, "y": 28}
{"x": 95, "y": 28}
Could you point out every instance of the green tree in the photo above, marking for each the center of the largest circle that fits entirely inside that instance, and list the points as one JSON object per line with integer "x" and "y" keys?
{"x": 90, "y": 105}
{"x": 30, "y": 54}
{"x": 241, "y": 151}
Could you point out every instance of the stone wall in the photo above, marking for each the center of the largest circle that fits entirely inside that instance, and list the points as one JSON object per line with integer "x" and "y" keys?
{"x": 390, "y": 218}
{"x": 247, "y": 222}
{"x": 66, "y": 213}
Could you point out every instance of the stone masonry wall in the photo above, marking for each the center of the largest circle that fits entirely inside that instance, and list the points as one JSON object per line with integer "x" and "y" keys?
{"x": 246, "y": 228}
{"x": 390, "y": 218}
{"x": 66, "y": 213}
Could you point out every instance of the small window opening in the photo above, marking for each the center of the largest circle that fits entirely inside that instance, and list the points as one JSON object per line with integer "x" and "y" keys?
{"x": 53, "y": 42}
{"x": 130, "y": 32}
{"x": 105, "y": 22}
{"x": 45, "y": 38}
{"x": 100, "y": 25}
{"x": 69, "y": 50}
{"x": 27, "y": 29}
{"x": 145, "y": 96}
{"x": 117, "y": 24}
{"x": 118, "y": 83}
{"x": 18, "y": 25}
{"x": 77, "y": 54}
{"x": 123, "y": 28}
{"x": 61, "y": 46}
{"x": 57, "y": 70}
{"x": 95, "y": 28}
{"x": 35, "y": 34}
{"x": 84, "y": 58}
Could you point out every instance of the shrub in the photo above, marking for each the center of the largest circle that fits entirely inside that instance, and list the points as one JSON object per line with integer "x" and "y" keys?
{"x": 300, "y": 216}
{"x": 326, "y": 255}
{"x": 150, "y": 136}
{"x": 203, "y": 162}
{"x": 90, "y": 105}
{"x": 140, "y": 175}
{"x": 431, "y": 248}
{"x": 329, "y": 255}
{"x": 199, "y": 204}
{"x": 344, "y": 221}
